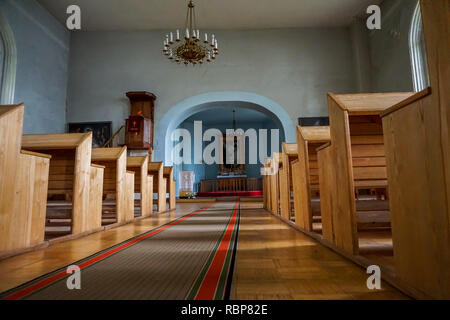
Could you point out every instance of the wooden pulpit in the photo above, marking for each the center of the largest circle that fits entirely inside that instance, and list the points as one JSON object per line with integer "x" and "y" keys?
{"x": 139, "y": 126}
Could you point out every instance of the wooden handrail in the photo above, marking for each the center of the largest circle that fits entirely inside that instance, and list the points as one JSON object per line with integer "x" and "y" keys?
{"x": 108, "y": 143}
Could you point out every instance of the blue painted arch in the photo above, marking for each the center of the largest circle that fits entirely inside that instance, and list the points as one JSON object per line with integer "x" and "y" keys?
{"x": 188, "y": 107}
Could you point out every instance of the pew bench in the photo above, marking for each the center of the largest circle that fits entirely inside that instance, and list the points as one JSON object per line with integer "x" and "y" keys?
{"x": 139, "y": 165}
{"x": 289, "y": 154}
{"x": 355, "y": 188}
{"x": 118, "y": 185}
{"x": 170, "y": 186}
{"x": 274, "y": 179}
{"x": 73, "y": 184}
{"x": 306, "y": 177}
{"x": 23, "y": 187}
{"x": 156, "y": 169}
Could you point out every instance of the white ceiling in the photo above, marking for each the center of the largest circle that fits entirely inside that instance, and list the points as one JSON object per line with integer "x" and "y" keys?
{"x": 105, "y": 15}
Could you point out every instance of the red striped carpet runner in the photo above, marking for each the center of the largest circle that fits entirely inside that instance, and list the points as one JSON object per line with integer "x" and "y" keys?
{"x": 189, "y": 258}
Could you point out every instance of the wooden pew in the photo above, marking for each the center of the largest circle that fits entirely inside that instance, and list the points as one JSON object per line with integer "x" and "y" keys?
{"x": 417, "y": 142}
{"x": 23, "y": 187}
{"x": 275, "y": 183}
{"x": 156, "y": 169}
{"x": 289, "y": 154}
{"x": 73, "y": 187}
{"x": 139, "y": 165}
{"x": 268, "y": 171}
{"x": 118, "y": 185}
{"x": 266, "y": 185}
{"x": 356, "y": 161}
{"x": 306, "y": 175}
{"x": 170, "y": 186}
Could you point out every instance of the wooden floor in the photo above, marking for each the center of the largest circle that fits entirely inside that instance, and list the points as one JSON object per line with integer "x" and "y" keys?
{"x": 273, "y": 260}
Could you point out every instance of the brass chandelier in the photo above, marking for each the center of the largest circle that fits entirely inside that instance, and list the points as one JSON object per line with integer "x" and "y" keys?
{"x": 193, "y": 49}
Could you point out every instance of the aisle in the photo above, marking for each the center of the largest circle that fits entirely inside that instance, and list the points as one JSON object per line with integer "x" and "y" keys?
{"x": 187, "y": 258}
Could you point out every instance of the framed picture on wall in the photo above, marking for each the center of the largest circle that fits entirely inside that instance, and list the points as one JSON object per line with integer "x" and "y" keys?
{"x": 101, "y": 131}
{"x": 314, "y": 121}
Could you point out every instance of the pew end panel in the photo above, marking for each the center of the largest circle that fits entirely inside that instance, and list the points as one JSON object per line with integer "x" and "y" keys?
{"x": 308, "y": 139}
{"x": 170, "y": 187}
{"x": 289, "y": 154}
{"x": 150, "y": 195}
{"x": 129, "y": 196}
{"x": 418, "y": 166}
{"x": 275, "y": 183}
{"x": 328, "y": 189}
{"x": 139, "y": 165}
{"x": 115, "y": 208}
{"x": 23, "y": 187}
{"x": 156, "y": 169}
{"x": 95, "y": 197}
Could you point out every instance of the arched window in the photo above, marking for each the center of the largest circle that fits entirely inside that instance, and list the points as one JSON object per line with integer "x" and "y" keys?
{"x": 2, "y": 61}
{"x": 418, "y": 52}
{"x": 8, "y": 62}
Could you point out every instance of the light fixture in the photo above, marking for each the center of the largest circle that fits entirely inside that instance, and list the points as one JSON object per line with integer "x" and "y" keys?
{"x": 193, "y": 49}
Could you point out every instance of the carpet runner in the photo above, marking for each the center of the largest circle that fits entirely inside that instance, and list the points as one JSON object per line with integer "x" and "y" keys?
{"x": 189, "y": 258}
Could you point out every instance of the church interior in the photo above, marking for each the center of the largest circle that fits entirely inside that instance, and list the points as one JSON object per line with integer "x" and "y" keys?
{"x": 224, "y": 150}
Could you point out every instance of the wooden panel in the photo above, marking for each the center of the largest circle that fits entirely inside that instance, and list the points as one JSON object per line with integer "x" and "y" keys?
{"x": 298, "y": 186}
{"x": 172, "y": 193}
{"x": 364, "y": 151}
{"x": 369, "y": 162}
{"x": 170, "y": 186}
{"x": 370, "y": 103}
{"x": 328, "y": 189}
{"x": 149, "y": 210}
{"x": 317, "y": 134}
{"x": 370, "y": 173}
{"x": 23, "y": 187}
{"x": 95, "y": 198}
{"x": 285, "y": 180}
{"x": 274, "y": 186}
{"x": 140, "y": 167}
{"x": 156, "y": 169}
{"x": 308, "y": 140}
{"x": 128, "y": 197}
{"x": 81, "y": 184}
{"x": 162, "y": 198}
{"x": 419, "y": 172}
{"x": 11, "y": 125}
{"x": 28, "y": 227}
{"x": 301, "y": 183}
{"x": 54, "y": 141}
{"x": 115, "y": 159}
{"x": 344, "y": 212}
{"x": 284, "y": 193}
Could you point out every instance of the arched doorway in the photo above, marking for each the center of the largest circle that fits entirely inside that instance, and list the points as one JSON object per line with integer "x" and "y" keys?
{"x": 8, "y": 62}
{"x": 183, "y": 110}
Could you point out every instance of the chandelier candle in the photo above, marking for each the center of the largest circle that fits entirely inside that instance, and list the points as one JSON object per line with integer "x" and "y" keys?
{"x": 191, "y": 50}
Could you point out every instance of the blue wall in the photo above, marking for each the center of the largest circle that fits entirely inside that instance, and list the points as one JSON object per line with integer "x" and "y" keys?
{"x": 42, "y": 64}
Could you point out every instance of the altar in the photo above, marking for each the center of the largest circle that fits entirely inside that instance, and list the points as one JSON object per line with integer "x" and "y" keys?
{"x": 232, "y": 183}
